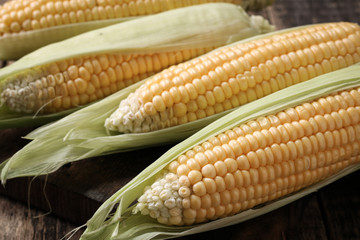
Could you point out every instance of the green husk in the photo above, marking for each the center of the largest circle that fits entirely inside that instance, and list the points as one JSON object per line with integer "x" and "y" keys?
{"x": 204, "y": 25}
{"x": 10, "y": 119}
{"x": 14, "y": 46}
{"x": 123, "y": 225}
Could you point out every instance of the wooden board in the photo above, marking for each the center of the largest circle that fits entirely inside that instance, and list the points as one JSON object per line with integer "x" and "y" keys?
{"x": 73, "y": 193}
{"x": 16, "y": 223}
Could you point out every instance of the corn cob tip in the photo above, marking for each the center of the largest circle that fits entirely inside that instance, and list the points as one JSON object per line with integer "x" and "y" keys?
{"x": 20, "y": 94}
{"x": 163, "y": 200}
{"x": 127, "y": 117}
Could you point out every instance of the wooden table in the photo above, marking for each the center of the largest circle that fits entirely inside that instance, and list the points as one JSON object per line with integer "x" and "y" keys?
{"x": 49, "y": 207}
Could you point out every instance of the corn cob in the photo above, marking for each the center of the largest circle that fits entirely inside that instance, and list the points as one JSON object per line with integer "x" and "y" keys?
{"x": 253, "y": 160}
{"x": 66, "y": 18}
{"x": 259, "y": 161}
{"x": 60, "y": 82}
{"x": 78, "y": 81}
{"x": 232, "y": 76}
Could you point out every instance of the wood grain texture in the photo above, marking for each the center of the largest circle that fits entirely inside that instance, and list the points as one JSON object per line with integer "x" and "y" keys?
{"x": 77, "y": 190}
{"x": 17, "y": 222}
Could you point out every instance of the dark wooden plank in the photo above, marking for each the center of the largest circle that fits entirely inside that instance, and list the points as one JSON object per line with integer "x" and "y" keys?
{"x": 11, "y": 141}
{"x": 305, "y": 220}
{"x": 340, "y": 203}
{"x": 16, "y": 223}
{"x": 82, "y": 186}
{"x": 290, "y": 13}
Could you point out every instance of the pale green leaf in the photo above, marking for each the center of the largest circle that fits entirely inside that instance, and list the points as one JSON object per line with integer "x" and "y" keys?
{"x": 15, "y": 46}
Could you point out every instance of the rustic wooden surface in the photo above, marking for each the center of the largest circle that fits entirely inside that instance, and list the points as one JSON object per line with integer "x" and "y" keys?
{"x": 70, "y": 196}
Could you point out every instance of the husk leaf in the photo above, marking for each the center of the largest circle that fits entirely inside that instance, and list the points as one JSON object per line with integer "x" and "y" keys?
{"x": 129, "y": 226}
{"x": 10, "y": 119}
{"x": 15, "y": 46}
{"x": 204, "y": 25}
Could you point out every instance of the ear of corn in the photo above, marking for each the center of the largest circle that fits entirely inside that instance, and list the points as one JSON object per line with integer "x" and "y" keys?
{"x": 28, "y": 25}
{"x": 88, "y": 67}
{"x": 81, "y": 135}
{"x": 235, "y": 75}
{"x": 330, "y": 103}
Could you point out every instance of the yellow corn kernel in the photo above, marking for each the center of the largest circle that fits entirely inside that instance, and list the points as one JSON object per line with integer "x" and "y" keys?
{"x": 264, "y": 159}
